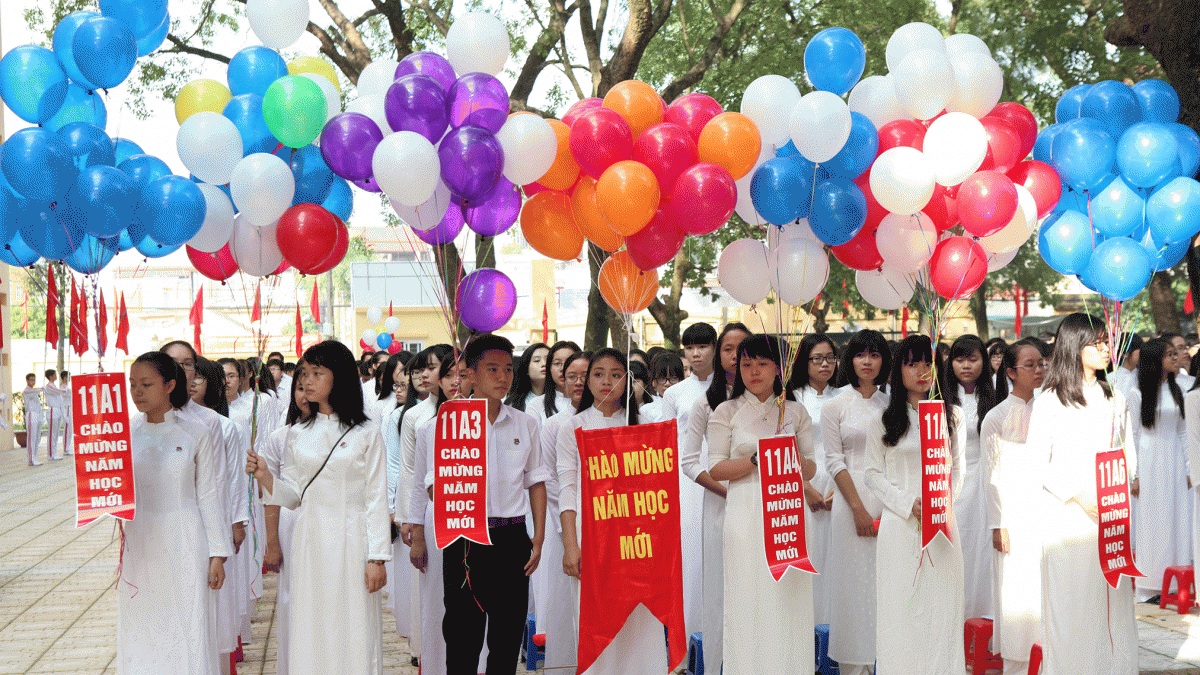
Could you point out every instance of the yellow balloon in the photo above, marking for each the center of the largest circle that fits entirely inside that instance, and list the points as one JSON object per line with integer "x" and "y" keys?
{"x": 202, "y": 95}
{"x": 314, "y": 65}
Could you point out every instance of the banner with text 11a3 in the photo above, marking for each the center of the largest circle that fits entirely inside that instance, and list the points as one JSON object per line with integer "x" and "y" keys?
{"x": 782, "y": 482}
{"x": 935, "y": 471}
{"x": 460, "y": 472}
{"x": 103, "y": 457}
{"x": 1112, "y": 501}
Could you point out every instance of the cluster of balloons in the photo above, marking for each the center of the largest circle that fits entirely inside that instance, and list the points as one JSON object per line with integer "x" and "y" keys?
{"x": 384, "y": 336}
{"x": 885, "y": 176}
{"x": 1130, "y": 204}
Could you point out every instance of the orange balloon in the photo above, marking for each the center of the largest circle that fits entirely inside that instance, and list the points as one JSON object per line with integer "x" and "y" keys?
{"x": 624, "y": 287}
{"x": 565, "y": 170}
{"x": 628, "y": 195}
{"x": 549, "y": 228}
{"x": 637, "y": 102}
{"x": 590, "y": 219}
{"x": 731, "y": 140}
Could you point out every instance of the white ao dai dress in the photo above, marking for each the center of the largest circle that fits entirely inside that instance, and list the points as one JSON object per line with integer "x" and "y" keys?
{"x": 256, "y": 424}
{"x": 273, "y": 453}
{"x": 1191, "y": 406}
{"x": 402, "y": 581}
{"x": 555, "y": 589}
{"x": 970, "y": 507}
{"x": 819, "y": 521}
{"x": 693, "y": 460}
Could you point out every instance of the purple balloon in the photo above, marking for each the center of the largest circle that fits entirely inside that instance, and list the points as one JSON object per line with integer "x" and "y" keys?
{"x": 497, "y": 211}
{"x": 368, "y": 184}
{"x": 486, "y": 300}
{"x": 445, "y": 231}
{"x": 472, "y": 161}
{"x": 478, "y": 99}
{"x": 347, "y": 144}
{"x": 417, "y": 103}
{"x": 430, "y": 65}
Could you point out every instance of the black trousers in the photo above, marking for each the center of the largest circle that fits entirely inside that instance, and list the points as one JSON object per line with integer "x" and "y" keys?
{"x": 486, "y": 586}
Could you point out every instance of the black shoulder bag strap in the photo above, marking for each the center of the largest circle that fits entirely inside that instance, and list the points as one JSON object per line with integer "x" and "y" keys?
{"x": 318, "y": 473}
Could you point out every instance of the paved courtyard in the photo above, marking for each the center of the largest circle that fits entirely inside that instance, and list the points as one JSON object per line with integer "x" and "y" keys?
{"x": 58, "y": 608}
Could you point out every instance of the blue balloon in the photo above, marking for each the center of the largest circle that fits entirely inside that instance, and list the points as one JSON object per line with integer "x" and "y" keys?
{"x": 172, "y": 209}
{"x": 32, "y": 83}
{"x": 384, "y": 340}
{"x": 313, "y": 177}
{"x": 148, "y": 43}
{"x": 839, "y": 211}
{"x": 834, "y": 60}
{"x": 45, "y": 229}
{"x": 860, "y": 149}
{"x": 152, "y": 249}
{"x": 1189, "y": 148}
{"x": 104, "y": 188}
{"x": 143, "y": 169}
{"x": 1147, "y": 154}
{"x": 1114, "y": 104}
{"x": 1120, "y": 268}
{"x": 64, "y": 35}
{"x": 1118, "y": 209}
{"x": 1163, "y": 256}
{"x": 340, "y": 201}
{"x": 125, "y": 239}
{"x": 141, "y": 17}
{"x": 88, "y": 145}
{"x": 92, "y": 255}
{"x": 80, "y": 105}
{"x": 252, "y": 70}
{"x": 124, "y": 148}
{"x": 1159, "y": 101}
{"x": 1174, "y": 211}
{"x": 1071, "y": 201}
{"x": 1068, "y": 107}
{"x": 1083, "y": 154}
{"x": 245, "y": 111}
{"x": 788, "y": 150}
{"x": 37, "y": 164}
{"x": 105, "y": 51}
{"x": 1065, "y": 242}
{"x": 1041, "y": 147}
{"x": 780, "y": 191}
{"x": 16, "y": 253}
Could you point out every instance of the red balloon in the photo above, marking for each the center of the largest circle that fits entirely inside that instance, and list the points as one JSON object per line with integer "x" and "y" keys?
{"x": 306, "y": 235}
{"x": 532, "y": 189}
{"x": 692, "y": 112}
{"x": 875, "y": 212}
{"x": 703, "y": 199}
{"x": 901, "y": 133}
{"x": 600, "y": 138}
{"x": 987, "y": 201}
{"x": 1004, "y": 145}
{"x": 957, "y": 267}
{"x": 942, "y": 209}
{"x": 668, "y": 150}
{"x": 395, "y": 347}
{"x": 655, "y": 244}
{"x": 1042, "y": 181}
{"x": 580, "y": 107}
{"x": 283, "y": 267}
{"x": 339, "y": 249}
{"x": 217, "y": 266}
{"x": 1022, "y": 120}
{"x": 362, "y": 343}
{"x": 861, "y": 252}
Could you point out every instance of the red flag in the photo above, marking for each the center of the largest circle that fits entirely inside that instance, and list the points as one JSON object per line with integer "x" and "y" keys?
{"x": 51, "y": 307}
{"x": 101, "y": 322}
{"x": 1188, "y": 305}
{"x": 299, "y": 332}
{"x": 82, "y": 347}
{"x": 196, "y": 317}
{"x": 904, "y": 323}
{"x": 389, "y": 307}
{"x": 25, "y": 312}
{"x": 314, "y": 305}
{"x": 73, "y": 326}
{"x": 123, "y": 327}
{"x": 1017, "y": 320}
{"x": 256, "y": 311}
{"x": 545, "y": 322}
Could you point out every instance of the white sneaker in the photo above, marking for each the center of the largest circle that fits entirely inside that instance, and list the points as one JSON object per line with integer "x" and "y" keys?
{"x": 36, "y": 463}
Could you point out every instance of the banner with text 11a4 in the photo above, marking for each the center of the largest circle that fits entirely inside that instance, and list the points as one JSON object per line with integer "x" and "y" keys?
{"x": 460, "y": 472}
{"x": 782, "y": 481}
{"x": 935, "y": 471}
{"x": 103, "y": 458}
{"x": 1112, "y": 501}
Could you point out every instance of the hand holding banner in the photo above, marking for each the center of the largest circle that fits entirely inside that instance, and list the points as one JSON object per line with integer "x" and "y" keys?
{"x": 935, "y": 471}
{"x": 460, "y": 472}
{"x": 103, "y": 457}
{"x": 1112, "y": 500}
{"x": 782, "y": 483}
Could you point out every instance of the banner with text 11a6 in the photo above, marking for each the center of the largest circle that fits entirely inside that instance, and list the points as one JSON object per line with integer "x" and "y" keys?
{"x": 103, "y": 457}
{"x": 935, "y": 471}
{"x": 460, "y": 472}
{"x": 782, "y": 482}
{"x": 1112, "y": 501}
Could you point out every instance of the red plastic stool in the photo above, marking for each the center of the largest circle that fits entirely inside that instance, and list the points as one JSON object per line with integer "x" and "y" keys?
{"x": 1035, "y": 659}
{"x": 1185, "y": 577}
{"x": 977, "y": 634}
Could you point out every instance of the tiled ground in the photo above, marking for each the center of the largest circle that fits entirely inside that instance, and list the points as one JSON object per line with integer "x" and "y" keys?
{"x": 58, "y": 610}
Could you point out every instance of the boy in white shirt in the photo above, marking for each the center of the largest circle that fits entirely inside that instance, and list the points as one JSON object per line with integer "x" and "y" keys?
{"x": 32, "y": 397}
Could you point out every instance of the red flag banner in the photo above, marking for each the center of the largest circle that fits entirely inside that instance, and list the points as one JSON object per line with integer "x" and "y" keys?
{"x": 73, "y": 319}
{"x": 782, "y": 481}
{"x": 299, "y": 332}
{"x": 103, "y": 457}
{"x": 122, "y": 342}
{"x": 545, "y": 322}
{"x": 314, "y": 305}
{"x": 196, "y": 318}
{"x": 1112, "y": 500}
{"x": 629, "y": 508}
{"x": 83, "y": 321}
{"x": 460, "y": 472}
{"x": 256, "y": 310}
{"x": 935, "y": 471}
{"x": 51, "y": 307}
{"x": 101, "y": 322}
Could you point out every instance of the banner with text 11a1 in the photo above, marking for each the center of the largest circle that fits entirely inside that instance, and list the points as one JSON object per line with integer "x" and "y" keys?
{"x": 1112, "y": 501}
{"x": 629, "y": 514}
{"x": 103, "y": 457}
{"x": 782, "y": 482}
{"x": 935, "y": 471}
{"x": 460, "y": 472}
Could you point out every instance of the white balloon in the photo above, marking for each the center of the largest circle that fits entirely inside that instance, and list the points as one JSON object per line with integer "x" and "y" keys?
{"x": 794, "y": 231}
{"x": 427, "y": 215}
{"x": 956, "y": 144}
{"x": 912, "y": 37}
{"x": 371, "y": 106}
{"x": 391, "y": 324}
{"x": 374, "y": 315}
{"x": 798, "y": 270}
{"x": 745, "y": 205}
{"x": 262, "y": 186}
{"x": 886, "y": 288}
{"x": 768, "y": 102}
{"x": 924, "y": 83}
{"x": 209, "y": 145}
{"x": 980, "y": 83}
{"x": 369, "y": 335}
{"x": 333, "y": 98}
{"x": 406, "y": 167}
{"x": 254, "y": 248}
{"x": 218, "y": 220}
{"x": 530, "y": 146}
{"x": 906, "y": 243}
{"x": 477, "y": 43}
{"x": 902, "y": 180}
{"x": 965, "y": 43}
{"x": 875, "y": 97}
{"x": 739, "y": 270}
{"x": 278, "y": 23}
{"x": 376, "y": 77}
{"x": 1018, "y": 230}
{"x": 820, "y": 125}
{"x": 999, "y": 260}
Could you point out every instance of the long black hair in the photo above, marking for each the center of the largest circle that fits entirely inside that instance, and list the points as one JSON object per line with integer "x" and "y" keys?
{"x": 1150, "y": 377}
{"x": 808, "y": 343}
{"x": 346, "y": 395}
{"x": 639, "y": 372}
{"x": 443, "y": 372}
{"x": 864, "y": 341}
{"x": 388, "y": 380}
{"x": 716, "y": 394}
{"x": 170, "y": 371}
{"x": 295, "y": 413}
{"x": 912, "y": 349}
{"x": 549, "y": 400}
{"x": 627, "y": 399}
{"x": 522, "y": 383}
{"x": 1065, "y": 375}
{"x": 762, "y": 346}
{"x": 985, "y": 387}
{"x": 214, "y": 385}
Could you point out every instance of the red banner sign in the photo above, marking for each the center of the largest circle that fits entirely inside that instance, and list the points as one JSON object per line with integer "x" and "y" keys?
{"x": 782, "y": 481}
{"x": 935, "y": 471}
{"x": 629, "y": 508}
{"x": 460, "y": 472}
{"x": 103, "y": 458}
{"x": 1112, "y": 500}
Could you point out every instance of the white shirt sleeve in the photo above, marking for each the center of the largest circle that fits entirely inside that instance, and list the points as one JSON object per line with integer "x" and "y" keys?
{"x": 875, "y": 474}
{"x": 536, "y": 469}
{"x": 831, "y": 435}
{"x": 991, "y": 445}
{"x": 568, "y": 468}
{"x": 405, "y": 478}
{"x": 391, "y": 443}
{"x": 693, "y": 439}
{"x": 720, "y": 433}
{"x": 1191, "y": 408}
{"x": 417, "y": 493}
{"x": 379, "y": 531}
{"x": 210, "y": 494}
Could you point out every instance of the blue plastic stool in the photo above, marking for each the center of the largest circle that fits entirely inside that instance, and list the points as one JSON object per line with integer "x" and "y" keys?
{"x": 534, "y": 654}
{"x": 695, "y": 659}
{"x": 825, "y": 665}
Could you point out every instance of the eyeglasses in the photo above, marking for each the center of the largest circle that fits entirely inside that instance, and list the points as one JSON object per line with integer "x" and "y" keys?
{"x": 573, "y": 379}
{"x": 818, "y": 360}
{"x": 1040, "y": 365}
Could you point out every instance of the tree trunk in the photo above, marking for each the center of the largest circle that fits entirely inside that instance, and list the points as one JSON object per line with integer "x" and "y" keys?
{"x": 1162, "y": 304}
{"x": 450, "y": 272}
{"x": 595, "y": 333}
{"x": 667, "y": 314}
{"x": 819, "y": 313}
{"x": 1168, "y": 29}
{"x": 979, "y": 310}
{"x": 621, "y": 333}
{"x": 485, "y": 252}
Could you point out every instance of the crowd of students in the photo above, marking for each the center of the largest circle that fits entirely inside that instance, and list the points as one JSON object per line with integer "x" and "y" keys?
{"x": 49, "y": 404}
{"x": 336, "y": 462}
